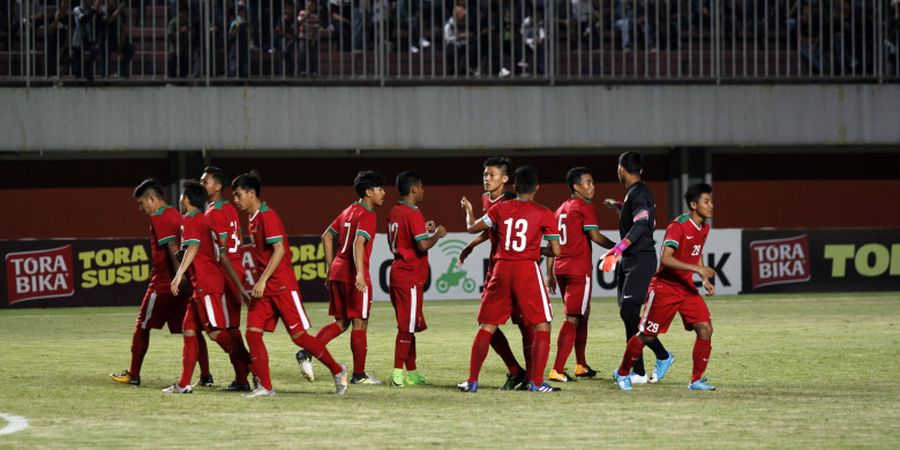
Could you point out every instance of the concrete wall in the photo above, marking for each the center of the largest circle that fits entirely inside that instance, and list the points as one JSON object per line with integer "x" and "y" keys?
{"x": 440, "y": 118}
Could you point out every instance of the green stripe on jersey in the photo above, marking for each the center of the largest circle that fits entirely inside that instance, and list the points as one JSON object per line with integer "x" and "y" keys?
{"x": 274, "y": 239}
{"x": 166, "y": 240}
{"x": 670, "y": 243}
{"x": 421, "y": 237}
{"x": 551, "y": 237}
{"x": 332, "y": 231}
{"x": 188, "y": 242}
{"x": 363, "y": 234}
{"x": 683, "y": 218}
{"x": 590, "y": 227}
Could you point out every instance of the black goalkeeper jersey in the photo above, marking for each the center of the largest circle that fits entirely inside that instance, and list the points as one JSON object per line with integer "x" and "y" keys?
{"x": 638, "y": 219}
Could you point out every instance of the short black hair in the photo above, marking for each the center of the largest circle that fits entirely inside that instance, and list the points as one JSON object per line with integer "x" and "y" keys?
{"x": 216, "y": 173}
{"x": 573, "y": 176}
{"x": 632, "y": 162}
{"x": 149, "y": 185}
{"x": 247, "y": 181}
{"x": 365, "y": 180}
{"x": 500, "y": 162}
{"x": 526, "y": 179}
{"x": 694, "y": 192}
{"x": 194, "y": 192}
{"x": 406, "y": 180}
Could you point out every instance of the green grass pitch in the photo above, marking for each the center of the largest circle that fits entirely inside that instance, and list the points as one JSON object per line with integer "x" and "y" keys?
{"x": 795, "y": 371}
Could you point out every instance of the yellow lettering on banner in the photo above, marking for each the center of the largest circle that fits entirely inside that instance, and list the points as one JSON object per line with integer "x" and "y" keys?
{"x": 104, "y": 257}
{"x": 295, "y": 254}
{"x": 86, "y": 258}
{"x": 121, "y": 255}
{"x": 307, "y": 252}
{"x": 89, "y": 279}
{"x": 839, "y": 254}
{"x": 879, "y": 266}
{"x": 138, "y": 253}
{"x": 119, "y": 265}
{"x": 895, "y": 260}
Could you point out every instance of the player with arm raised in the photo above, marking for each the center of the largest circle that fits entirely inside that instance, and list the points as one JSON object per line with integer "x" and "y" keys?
{"x": 223, "y": 218}
{"x": 494, "y": 179}
{"x": 207, "y": 309}
{"x": 160, "y": 306}
{"x": 347, "y": 244}
{"x": 672, "y": 290}
{"x": 578, "y": 228}
{"x": 517, "y": 282}
{"x": 409, "y": 238}
{"x": 276, "y": 293}
{"x": 638, "y": 260}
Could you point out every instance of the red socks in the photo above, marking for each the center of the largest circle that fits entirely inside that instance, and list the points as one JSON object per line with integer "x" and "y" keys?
{"x": 581, "y": 341}
{"x": 329, "y": 332}
{"x": 402, "y": 344}
{"x": 203, "y": 356}
{"x": 358, "y": 345}
{"x": 501, "y": 345}
{"x": 188, "y": 360}
{"x": 411, "y": 356}
{"x": 240, "y": 359}
{"x": 564, "y": 344}
{"x": 480, "y": 348}
{"x": 140, "y": 341}
{"x": 633, "y": 351}
{"x": 259, "y": 358}
{"x": 540, "y": 352}
{"x": 702, "y": 349}
{"x": 319, "y": 351}
{"x": 527, "y": 343}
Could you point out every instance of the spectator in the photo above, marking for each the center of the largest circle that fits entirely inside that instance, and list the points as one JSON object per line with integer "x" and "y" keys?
{"x": 631, "y": 14}
{"x": 116, "y": 36}
{"x": 339, "y": 12}
{"x": 804, "y": 19}
{"x": 239, "y": 53}
{"x": 178, "y": 35}
{"x": 84, "y": 40}
{"x": 309, "y": 39}
{"x": 533, "y": 35}
{"x": 286, "y": 31}
{"x": 411, "y": 14}
{"x": 892, "y": 39}
{"x": 456, "y": 38}
{"x": 56, "y": 30}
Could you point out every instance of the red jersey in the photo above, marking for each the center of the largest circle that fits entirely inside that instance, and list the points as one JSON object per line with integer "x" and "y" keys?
{"x": 406, "y": 227}
{"x": 687, "y": 238}
{"x": 520, "y": 225}
{"x": 265, "y": 230}
{"x": 206, "y": 274}
{"x": 355, "y": 220}
{"x": 486, "y": 205}
{"x": 223, "y": 218}
{"x": 575, "y": 217}
{"x": 165, "y": 227}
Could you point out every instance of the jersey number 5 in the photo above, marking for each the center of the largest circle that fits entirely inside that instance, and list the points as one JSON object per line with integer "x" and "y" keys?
{"x": 563, "y": 235}
{"x": 521, "y": 226}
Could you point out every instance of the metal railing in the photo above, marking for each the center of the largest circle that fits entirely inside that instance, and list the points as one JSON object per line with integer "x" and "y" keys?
{"x": 211, "y": 41}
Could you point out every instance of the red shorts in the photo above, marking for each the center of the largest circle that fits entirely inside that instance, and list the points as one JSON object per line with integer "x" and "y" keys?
{"x": 515, "y": 284}
{"x": 662, "y": 304}
{"x": 265, "y": 311}
{"x": 158, "y": 309}
{"x": 576, "y": 293}
{"x": 207, "y": 312}
{"x": 347, "y": 302}
{"x": 407, "y": 303}
{"x": 516, "y": 316}
{"x": 233, "y": 296}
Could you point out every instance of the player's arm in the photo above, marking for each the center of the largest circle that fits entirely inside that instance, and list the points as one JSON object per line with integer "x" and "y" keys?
{"x": 467, "y": 207}
{"x": 551, "y": 277}
{"x": 479, "y": 226}
{"x": 599, "y": 239}
{"x": 277, "y": 253}
{"x": 228, "y": 268}
{"x": 425, "y": 242}
{"x": 359, "y": 254}
{"x": 467, "y": 250}
{"x": 173, "y": 249}
{"x": 668, "y": 260}
{"x": 552, "y": 249}
{"x": 189, "y": 254}
{"x": 328, "y": 248}
{"x": 708, "y": 282}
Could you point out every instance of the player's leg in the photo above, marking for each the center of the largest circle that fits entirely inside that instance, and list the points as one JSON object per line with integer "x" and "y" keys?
{"x": 495, "y": 309}
{"x": 215, "y": 319}
{"x": 206, "y": 378}
{"x": 233, "y": 304}
{"x": 572, "y": 292}
{"x": 339, "y": 295}
{"x": 293, "y": 314}
{"x": 358, "y": 311}
{"x": 516, "y": 374}
{"x": 695, "y": 315}
{"x": 582, "y": 369}
{"x": 417, "y": 317}
{"x": 140, "y": 341}
{"x": 260, "y": 317}
{"x": 401, "y": 300}
{"x": 660, "y": 309}
{"x": 189, "y": 353}
{"x": 530, "y": 294}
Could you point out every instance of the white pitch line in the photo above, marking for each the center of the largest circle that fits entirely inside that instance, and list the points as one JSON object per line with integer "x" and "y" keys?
{"x": 13, "y": 423}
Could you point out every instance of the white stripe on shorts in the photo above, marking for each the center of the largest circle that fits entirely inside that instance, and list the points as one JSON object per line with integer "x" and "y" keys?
{"x": 149, "y": 313}
{"x": 302, "y": 314}
{"x": 365, "y": 303}
{"x": 225, "y": 312}
{"x": 211, "y": 315}
{"x": 587, "y": 294}
{"x": 412, "y": 309}
{"x": 646, "y": 310}
{"x": 543, "y": 290}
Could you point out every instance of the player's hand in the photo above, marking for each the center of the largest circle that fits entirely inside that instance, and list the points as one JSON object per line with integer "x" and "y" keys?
{"x": 259, "y": 289}
{"x": 710, "y": 288}
{"x": 430, "y": 226}
{"x": 464, "y": 203}
{"x": 174, "y": 286}
{"x": 705, "y": 272}
{"x": 245, "y": 297}
{"x": 609, "y": 261}
{"x": 361, "y": 283}
{"x": 440, "y": 232}
{"x": 551, "y": 284}
{"x": 612, "y": 203}
{"x": 463, "y": 255}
